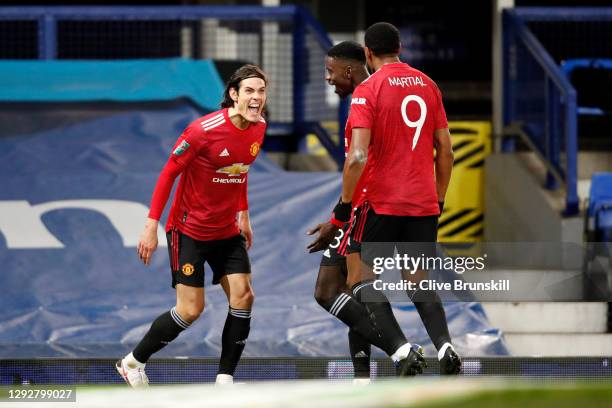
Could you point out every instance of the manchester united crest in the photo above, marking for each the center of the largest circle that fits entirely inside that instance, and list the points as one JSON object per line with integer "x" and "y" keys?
{"x": 188, "y": 269}
{"x": 254, "y": 149}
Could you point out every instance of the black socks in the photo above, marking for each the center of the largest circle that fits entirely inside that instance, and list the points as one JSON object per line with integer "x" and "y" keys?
{"x": 429, "y": 306}
{"x": 163, "y": 330}
{"x": 381, "y": 315}
{"x": 233, "y": 339}
{"x": 360, "y": 354}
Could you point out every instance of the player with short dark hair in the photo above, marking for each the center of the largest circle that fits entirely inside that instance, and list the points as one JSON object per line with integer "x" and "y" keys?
{"x": 398, "y": 122}
{"x": 397, "y": 119}
{"x": 345, "y": 69}
{"x": 383, "y": 40}
{"x": 350, "y": 52}
{"x": 208, "y": 222}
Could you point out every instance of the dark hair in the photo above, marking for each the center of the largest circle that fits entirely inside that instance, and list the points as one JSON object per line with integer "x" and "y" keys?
{"x": 348, "y": 50}
{"x": 242, "y": 73}
{"x": 383, "y": 39}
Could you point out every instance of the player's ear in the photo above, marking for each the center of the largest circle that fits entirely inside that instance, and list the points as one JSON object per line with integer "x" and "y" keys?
{"x": 368, "y": 55}
{"x": 233, "y": 93}
{"x": 348, "y": 71}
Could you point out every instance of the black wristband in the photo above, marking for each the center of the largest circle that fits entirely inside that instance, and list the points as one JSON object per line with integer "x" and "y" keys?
{"x": 441, "y": 205}
{"x": 342, "y": 211}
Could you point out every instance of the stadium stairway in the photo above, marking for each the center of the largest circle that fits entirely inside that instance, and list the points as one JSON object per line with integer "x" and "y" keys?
{"x": 519, "y": 209}
{"x": 552, "y": 329}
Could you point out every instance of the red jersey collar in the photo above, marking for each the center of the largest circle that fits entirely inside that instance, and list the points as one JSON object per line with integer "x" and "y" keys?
{"x": 393, "y": 64}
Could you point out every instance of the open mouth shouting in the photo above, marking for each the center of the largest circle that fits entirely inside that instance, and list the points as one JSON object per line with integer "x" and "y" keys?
{"x": 253, "y": 108}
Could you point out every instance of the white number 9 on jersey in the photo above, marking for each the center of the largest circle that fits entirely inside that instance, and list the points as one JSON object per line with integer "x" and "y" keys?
{"x": 420, "y": 121}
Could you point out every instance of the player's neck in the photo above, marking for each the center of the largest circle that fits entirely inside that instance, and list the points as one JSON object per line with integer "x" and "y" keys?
{"x": 378, "y": 62}
{"x": 237, "y": 119}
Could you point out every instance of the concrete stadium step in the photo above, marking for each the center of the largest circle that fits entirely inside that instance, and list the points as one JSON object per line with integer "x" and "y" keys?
{"x": 593, "y": 162}
{"x": 559, "y": 344}
{"x": 548, "y": 317}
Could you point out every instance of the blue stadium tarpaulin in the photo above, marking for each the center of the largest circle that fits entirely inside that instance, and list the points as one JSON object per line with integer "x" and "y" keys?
{"x": 127, "y": 80}
{"x": 73, "y": 201}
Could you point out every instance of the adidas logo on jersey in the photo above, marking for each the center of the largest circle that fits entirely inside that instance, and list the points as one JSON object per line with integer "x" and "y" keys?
{"x": 224, "y": 153}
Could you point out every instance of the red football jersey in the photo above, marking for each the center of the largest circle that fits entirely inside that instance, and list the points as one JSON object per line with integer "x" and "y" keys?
{"x": 215, "y": 156}
{"x": 402, "y": 107}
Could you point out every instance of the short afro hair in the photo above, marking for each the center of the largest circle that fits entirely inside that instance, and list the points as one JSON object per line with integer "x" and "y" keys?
{"x": 383, "y": 39}
{"x": 348, "y": 50}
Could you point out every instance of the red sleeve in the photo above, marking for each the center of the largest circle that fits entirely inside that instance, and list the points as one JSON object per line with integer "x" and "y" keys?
{"x": 362, "y": 108}
{"x": 243, "y": 204}
{"x": 184, "y": 151}
{"x": 188, "y": 144}
{"x": 163, "y": 187}
{"x": 440, "y": 118}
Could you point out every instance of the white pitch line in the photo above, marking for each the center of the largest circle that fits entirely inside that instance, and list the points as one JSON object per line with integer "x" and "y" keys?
{"x": 285, "y": 394}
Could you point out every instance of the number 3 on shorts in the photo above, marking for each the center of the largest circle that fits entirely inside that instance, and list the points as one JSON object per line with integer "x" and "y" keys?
{"x": 419, "y": 123}
{"x": 337, "y": 240}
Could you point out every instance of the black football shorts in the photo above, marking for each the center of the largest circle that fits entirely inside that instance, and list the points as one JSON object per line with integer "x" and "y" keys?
{"x": 224, "y": 256}
{"x": 331, "y": 257}
{"x": 415, "y": 236}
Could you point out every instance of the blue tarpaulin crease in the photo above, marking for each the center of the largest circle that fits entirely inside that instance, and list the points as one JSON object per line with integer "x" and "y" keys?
{"x": 76, "y": 197}
{"x": 127, "y": 81}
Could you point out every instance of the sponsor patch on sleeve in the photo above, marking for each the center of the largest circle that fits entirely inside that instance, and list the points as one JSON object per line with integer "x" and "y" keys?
{"x": 182, "y": 148}
{"x": 358, "y": 101}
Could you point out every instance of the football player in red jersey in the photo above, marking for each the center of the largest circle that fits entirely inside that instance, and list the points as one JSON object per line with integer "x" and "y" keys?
{"x": 208, "y": 222}
{"x": 397, "y": 119}
{"x": 345, "y": 69}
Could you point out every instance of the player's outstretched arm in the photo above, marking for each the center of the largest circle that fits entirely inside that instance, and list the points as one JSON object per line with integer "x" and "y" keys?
{"x": 353, "y": 167}
{"x": 148, "y": 241}
{"x": 327, "y": 231}
{"x": 355, "y": 162}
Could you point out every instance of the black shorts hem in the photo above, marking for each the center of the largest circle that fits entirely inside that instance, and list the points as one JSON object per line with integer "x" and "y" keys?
{"x": 353, "y": 249}
{"x": 191, "y": 285}
{"x": 331, "y": 262}
{"x": 217, "y": 277}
